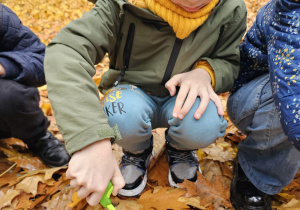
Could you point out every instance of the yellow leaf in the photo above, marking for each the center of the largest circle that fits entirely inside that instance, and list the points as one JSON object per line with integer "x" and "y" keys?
{"x": 286, "y": 196}
{"x": 75, "y": 200}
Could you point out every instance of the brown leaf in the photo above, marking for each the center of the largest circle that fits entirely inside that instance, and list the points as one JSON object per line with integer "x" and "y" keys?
{"x": 192, "y": 201}
{"x": 127, "y": 204}
{"x": 160, "y": 198}
{"x": 158, "y": 175}
{"x": 9, "y": 178}
{"x": 23, "y": 160}
{"x": 27, "y": 201}
{"x": 30, "y": 184}
{"x": 48, "y": 172}
{"x": 209, "y": 192}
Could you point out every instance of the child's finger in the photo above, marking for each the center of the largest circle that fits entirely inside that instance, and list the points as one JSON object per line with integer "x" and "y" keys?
{"x": 183, "y": 92}
{"x": 73, "y": 183}
{"x": 94, "y": 198}
{"x": 118, "y": 182}
{"x": 218, "y": 104}
{"x": 83, "y": 192}
{"x": 202, "y": 107}
{"x": 188, "y": 103}
{"x": 172, "y": 84}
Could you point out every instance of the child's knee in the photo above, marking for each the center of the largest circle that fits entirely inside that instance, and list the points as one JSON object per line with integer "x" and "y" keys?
{"x": 198, "y": 134}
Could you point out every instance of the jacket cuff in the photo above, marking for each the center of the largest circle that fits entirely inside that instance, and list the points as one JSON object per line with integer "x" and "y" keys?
{"x": 12, "y": 69}
{"x": 206, "y": 66}
{"x": 91, "y": 136}
{"x": 112, "y": 133}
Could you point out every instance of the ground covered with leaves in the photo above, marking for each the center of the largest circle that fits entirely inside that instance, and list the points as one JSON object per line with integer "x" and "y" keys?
{"x": 26, "y": 183}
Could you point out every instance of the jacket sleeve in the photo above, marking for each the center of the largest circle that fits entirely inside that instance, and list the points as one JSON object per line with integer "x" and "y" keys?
{"x": 284, "y": 65}
{"x": 21, "y": 51}
{"x": 225, "y": 60}
{"x": 69, "y": 67}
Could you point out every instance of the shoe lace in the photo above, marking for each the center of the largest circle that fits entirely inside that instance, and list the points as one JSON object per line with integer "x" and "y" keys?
{"x": 132, "y": 160}
{"x": 182, "y": 156}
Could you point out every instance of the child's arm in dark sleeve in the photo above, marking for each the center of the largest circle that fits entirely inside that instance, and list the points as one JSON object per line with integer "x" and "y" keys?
{"x": 21, "y": 51}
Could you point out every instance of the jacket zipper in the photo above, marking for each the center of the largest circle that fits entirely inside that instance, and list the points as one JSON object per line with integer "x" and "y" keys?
{"x": 126, "y": 53}
{"x": 172, "y": 60}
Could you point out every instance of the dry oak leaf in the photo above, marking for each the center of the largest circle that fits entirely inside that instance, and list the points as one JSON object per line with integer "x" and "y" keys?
{"x": 219, "y": 152}
{"x": 23, "y": 160}
{"x": 60, "y": 201}
{"x": 30, "y": 184}
{"x": 193, "y": 201}
{"x": 26, "y": 201}
{"x": 6, "y": 199}
{"x": 160, "y": 198}
{"x": 9, "y": 178}
{"x": 292, "y": 205}
{"x": 48, "y": 172}
{"x": 209, "y": 192}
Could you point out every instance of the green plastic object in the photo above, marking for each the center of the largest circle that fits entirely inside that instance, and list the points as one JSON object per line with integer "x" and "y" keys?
{"x": 105, "y": 200}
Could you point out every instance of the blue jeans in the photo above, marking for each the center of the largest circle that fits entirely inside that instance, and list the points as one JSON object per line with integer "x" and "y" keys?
{"x": 136, "y": 113}
{"x": 266, "y": 156}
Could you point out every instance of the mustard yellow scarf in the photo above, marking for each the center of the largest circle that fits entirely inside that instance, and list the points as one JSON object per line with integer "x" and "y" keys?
{"x": 182, "y": 22}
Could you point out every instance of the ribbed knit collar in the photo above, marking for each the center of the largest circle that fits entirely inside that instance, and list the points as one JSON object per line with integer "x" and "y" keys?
{"x": 182, "y": 22}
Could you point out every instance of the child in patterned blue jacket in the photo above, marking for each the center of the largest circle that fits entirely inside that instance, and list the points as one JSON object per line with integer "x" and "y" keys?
{"x": 264, "y": 104}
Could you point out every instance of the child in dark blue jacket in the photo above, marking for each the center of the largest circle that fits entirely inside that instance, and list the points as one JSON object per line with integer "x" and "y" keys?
{"x": 265, "y": 105}
{"x": 21, "y": 71}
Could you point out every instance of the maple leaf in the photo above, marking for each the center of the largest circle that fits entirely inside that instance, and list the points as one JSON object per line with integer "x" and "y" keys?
{"x": 209, "y": 192}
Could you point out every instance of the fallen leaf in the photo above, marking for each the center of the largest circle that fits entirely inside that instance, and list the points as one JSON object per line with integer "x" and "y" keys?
{"x": 209, "y": 192}
{"x": 48, "y": 172}
{"x": 8, "y": 197}
{"x": 30, "y": 184}
{"x": 160, "y": 200}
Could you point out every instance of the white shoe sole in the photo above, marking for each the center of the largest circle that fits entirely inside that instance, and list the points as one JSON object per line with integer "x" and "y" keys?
{"x": 172, "y": 182}
{"x": 135, "y": 191}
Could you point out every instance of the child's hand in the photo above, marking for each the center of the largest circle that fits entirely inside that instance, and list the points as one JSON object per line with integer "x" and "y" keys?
{"x": 91, "y": 169}
{"x": 2, "y": 70}
{"x": 193, "y": 84}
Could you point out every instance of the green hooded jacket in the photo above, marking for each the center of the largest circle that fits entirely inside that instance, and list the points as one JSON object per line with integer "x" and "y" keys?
{"x": 152, "y": 55}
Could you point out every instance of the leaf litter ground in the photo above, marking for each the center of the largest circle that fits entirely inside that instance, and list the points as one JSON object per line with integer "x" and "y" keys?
{"x": 26, "y": 183}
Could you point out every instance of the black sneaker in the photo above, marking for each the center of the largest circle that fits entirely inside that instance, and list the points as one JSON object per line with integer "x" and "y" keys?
{"x": 244, "y": 195}
{"x": 183, "y": 165}
{"x": 50, "y": 150}
{"x": 134, "y": 170}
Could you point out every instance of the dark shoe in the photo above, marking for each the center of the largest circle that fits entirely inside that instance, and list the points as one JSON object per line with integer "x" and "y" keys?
{"x": 183, "y": 165}
{"x": 50, "y": 150}
{"x": 134, "y": 170}
{"x": 244, "y": 195}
